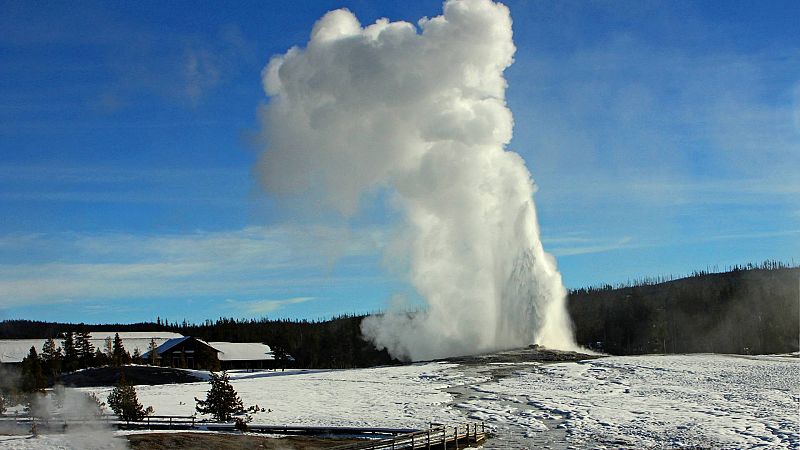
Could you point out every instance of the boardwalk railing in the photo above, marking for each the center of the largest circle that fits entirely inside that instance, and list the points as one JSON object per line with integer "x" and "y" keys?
{"x": 438, "y": 436}
{"x": 64, "y": 421}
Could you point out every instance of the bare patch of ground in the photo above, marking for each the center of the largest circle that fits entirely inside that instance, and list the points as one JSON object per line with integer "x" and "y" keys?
{"x": 109, "y": 376}
{"x": 226, "y": 441}
{"x": 531, "y": 353}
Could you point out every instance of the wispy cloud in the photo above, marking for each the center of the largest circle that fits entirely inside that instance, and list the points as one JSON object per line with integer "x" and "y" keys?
{"x": 659, "y": 143}
{"x": 586, "y": 246}
{"x": 255, "y": 307}
{"x": 106, "y": 184}
{"x": 183, "y": 68}
{"x": 251, "y": 262}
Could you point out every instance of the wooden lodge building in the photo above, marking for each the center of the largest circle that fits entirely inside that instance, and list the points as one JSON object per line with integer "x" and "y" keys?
{"x": 192, "y": 353}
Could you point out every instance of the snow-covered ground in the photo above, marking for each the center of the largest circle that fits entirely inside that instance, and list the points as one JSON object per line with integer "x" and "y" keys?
{"x": 717, "y": 401}
{"x": 403, "y": 397}
{"x": 653, "y": 401}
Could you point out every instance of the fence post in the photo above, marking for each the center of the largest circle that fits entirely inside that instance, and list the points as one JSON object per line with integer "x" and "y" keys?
{"x": 455, "y": 429}
{"x": 429, "y": 438}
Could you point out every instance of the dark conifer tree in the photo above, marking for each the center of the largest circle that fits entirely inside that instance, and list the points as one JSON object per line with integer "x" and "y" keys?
{"x": 119, "y": 356}
{"x": 84, "y": 349}
{"x": 51, "y": 358}
{"x": 136, "y": 358}
{"x": 221, "y": 401}
{"x": 70, "y": 362}
{"x": 124, "y": 402}
{"x": 33, "y": 378}
{"x": 100, "y": 359}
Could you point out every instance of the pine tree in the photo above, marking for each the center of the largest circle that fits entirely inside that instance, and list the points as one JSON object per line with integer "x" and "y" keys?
{"x": 153, "y": 352}
{"x": 2, "y": 403}
{"x": 32, "y": 377}
{"x": 221, "y": 401}
{"x": 100, "y": 359}
{"x": 84, "y": 349}
{"x": 124, "y": 402}
{"x": 119, "y": 356}
{"x": 136, "y": 358}
{"x": 51, "y": 358}
{"x": 70, "y": 362}
{"x": 281, "y": 356}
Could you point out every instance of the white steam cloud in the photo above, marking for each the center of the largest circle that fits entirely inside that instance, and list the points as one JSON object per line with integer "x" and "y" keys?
{"x": 422, "y": 115}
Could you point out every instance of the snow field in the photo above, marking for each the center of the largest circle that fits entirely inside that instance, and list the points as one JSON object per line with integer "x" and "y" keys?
{"x": 677, "y": 401}
{"x": 662, "y": 401}
{"x": 402, "y": 397}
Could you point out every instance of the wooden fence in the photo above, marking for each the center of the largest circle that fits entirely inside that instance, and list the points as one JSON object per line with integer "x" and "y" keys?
{"x": 438, "y": 436}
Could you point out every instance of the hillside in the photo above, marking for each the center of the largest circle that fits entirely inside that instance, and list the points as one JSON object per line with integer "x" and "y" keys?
{"x": 753, "y": 311}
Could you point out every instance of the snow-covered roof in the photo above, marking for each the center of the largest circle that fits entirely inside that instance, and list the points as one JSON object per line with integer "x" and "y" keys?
{"x": 133, "y": 340}
{"x": 125, "y": 335}
{"x": 242, "y": 351}
{"x": 169, "y": 344}
{"x": 14, "y": 350}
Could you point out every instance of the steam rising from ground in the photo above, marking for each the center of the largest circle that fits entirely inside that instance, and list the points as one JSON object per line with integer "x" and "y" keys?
{"x": 422, "y": 116}
{"x": 70, "y": 419}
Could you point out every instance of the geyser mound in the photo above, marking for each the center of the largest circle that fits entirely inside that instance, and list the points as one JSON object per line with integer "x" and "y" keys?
{"x": 422, "y": 116}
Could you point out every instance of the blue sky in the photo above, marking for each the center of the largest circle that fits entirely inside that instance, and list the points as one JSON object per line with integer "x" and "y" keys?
{"x": 664, "y": 137}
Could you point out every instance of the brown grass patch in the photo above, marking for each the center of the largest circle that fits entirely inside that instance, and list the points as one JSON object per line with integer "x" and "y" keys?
{"x": 228, "y": 441}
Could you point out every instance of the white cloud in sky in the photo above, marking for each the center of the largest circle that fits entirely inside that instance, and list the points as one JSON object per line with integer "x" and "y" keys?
{"x": 586, "y": 246}
{"x": 262, "y": 307}
{"x": 627, "y": 108}
{"x": 251, "y": 262}
{"x": 659, "y": 143}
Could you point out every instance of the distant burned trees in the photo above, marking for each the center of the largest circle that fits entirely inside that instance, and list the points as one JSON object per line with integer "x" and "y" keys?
{"x": 741, "y": 311}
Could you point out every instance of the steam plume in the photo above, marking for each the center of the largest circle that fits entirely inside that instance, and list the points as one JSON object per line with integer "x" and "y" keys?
{"x": 422, "y": 116}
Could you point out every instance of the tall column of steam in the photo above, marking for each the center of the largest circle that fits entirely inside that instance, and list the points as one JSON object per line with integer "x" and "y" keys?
{"x": 422, "y": 115}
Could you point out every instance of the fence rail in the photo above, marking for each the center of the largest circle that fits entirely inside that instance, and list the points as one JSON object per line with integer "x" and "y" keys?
{"x": 438, "y": 436}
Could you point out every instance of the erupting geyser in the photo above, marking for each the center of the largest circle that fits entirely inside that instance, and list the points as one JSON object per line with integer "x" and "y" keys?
{"x": 422, "y": 115}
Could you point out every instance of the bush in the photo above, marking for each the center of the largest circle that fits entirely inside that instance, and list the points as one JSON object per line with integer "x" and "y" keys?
{"x": 240, "y": 424}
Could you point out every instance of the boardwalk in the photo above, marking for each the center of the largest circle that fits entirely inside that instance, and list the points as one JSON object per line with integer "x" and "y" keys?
{"x": 438, "y": 436}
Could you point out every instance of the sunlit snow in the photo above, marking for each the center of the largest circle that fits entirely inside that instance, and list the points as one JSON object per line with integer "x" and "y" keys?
{"x": 719, "y": 401}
